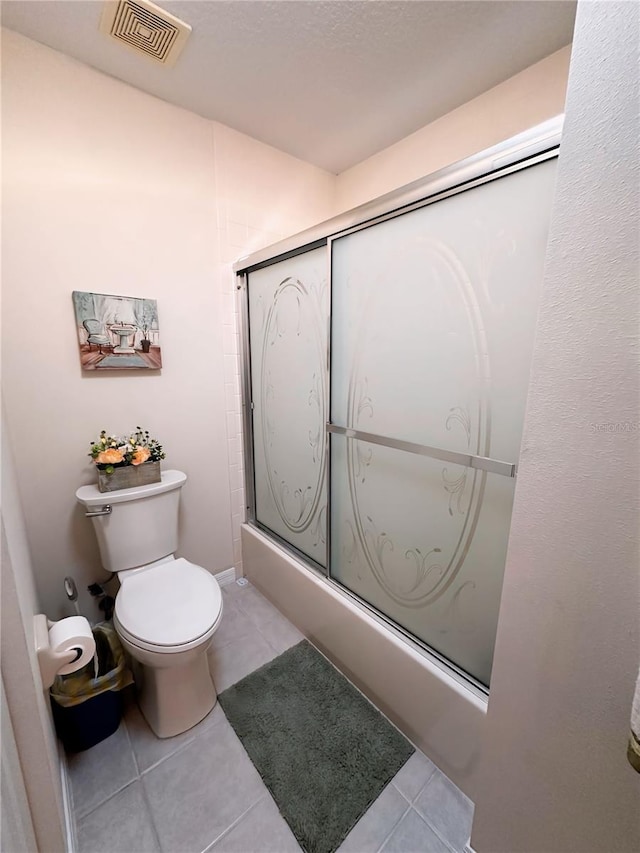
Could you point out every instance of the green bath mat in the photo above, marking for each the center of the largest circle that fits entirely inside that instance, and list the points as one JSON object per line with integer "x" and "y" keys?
{"x": 323, "y": 751}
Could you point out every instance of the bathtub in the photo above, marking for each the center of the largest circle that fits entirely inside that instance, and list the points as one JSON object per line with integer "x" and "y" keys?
{"x": 437, "y": 711}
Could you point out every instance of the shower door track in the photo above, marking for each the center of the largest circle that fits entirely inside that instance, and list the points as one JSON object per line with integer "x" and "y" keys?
{"x": 526, "y": 149}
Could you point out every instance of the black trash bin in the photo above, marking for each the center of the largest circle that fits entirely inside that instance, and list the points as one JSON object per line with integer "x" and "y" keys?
{"x": 87, "y": 707}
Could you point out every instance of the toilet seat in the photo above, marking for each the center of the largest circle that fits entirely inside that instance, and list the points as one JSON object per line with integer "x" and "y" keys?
{"x": 172, "y": 607}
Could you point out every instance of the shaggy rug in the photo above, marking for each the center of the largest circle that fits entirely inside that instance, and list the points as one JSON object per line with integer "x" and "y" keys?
{"x": 324, "y": 752}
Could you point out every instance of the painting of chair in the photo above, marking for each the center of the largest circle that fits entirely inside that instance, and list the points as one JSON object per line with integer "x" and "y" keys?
{"x": 117, "y": 332}
{"x": 95, "y": 335}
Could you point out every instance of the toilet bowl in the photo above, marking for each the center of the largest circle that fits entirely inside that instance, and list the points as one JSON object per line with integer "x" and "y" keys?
{"x": 166, "y": 616}
{"x": 167, "y": 608}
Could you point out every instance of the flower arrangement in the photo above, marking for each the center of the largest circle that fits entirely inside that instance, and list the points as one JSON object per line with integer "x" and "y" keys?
{"x": 110, "y": 452}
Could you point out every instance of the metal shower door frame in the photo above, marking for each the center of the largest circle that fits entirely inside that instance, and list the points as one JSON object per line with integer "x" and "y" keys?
{"x": 523, "y": 151}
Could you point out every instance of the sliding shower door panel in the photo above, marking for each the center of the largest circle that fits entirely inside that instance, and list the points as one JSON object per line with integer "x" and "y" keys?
{"x": 288, "y": 342}
{"x": 407, "y": 539}
{"x": 433, "y": 319}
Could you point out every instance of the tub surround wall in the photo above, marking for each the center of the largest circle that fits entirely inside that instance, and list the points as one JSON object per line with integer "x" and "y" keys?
{"x": 110, "y": 190}
{"x": 555, "y": 776}
{"x": 435, "y": 711}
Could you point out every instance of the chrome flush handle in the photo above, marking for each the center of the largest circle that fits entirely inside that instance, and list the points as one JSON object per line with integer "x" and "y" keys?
{"x": 107, "y": 509}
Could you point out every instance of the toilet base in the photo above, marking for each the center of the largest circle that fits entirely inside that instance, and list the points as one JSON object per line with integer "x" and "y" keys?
{"x": 175, "y": 698}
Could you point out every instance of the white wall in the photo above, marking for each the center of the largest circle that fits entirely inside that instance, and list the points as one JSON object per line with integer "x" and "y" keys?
{"x": 530, "y": 97}
{"x": 27, "y": 705}
{"x": 110, "y": 190}
{"x": 16, "y": 826}
{"x": 263, "y": 195}
{"x": 107, "y": 189}
{"x": 555, "y": 775}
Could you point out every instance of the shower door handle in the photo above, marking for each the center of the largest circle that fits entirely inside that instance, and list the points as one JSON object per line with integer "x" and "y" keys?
{"x": 481, "y": 463}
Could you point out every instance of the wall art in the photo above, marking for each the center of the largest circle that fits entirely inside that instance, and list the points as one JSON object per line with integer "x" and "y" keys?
{"x": 117, "y": 332}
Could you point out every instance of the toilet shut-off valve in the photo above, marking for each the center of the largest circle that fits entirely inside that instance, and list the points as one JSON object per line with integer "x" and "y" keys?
{"x": 71, "y": 591}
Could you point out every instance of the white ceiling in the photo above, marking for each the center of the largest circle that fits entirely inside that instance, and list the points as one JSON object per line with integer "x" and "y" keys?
{"x": 329, "y": 82}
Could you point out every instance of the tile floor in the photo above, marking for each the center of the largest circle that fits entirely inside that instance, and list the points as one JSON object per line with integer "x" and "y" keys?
{"x": 200, "y": 792}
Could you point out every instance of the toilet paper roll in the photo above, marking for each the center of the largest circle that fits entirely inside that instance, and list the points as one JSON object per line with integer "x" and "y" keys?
{"x": 73, "y": 634}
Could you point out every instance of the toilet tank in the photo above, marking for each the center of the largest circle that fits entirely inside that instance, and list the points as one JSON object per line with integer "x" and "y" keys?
{"x": 143, "y": 523}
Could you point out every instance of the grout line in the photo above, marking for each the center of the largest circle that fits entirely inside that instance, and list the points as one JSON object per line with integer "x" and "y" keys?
{"x": 133, "y": 752}
{"x": 178, "y": 748}
{"x": 274, "y": 619}
{"x": 436, "y": 832}
{"x": 395, "y": 826}
{"x": 193, "y": 737}
{"x": 233, "y": 640}
{"x": 425, "y": 784}
{"x": 122, "y": 787}
{"x": 106, "y": 800}
{"x": 425, "y": 817}
{"x": 446, "y": 843}
{"x": 280, "y": 651}
{"x": 165, "y": 757}
{"x": 147, "y": 803}
{"x": 403, "y": 795}
{"x": 428, "y": 782}
{"x": 237, "y": 820}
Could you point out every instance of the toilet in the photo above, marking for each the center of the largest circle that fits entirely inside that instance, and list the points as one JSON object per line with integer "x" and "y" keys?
{"x": 167, "y": 609}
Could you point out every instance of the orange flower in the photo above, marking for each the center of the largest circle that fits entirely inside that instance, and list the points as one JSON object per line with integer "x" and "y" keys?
{"x": 141, "y": 455}
{"x": 109, "y": 457}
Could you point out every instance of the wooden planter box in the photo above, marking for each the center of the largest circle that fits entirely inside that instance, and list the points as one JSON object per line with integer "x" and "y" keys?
{"x": 129, "y": 476}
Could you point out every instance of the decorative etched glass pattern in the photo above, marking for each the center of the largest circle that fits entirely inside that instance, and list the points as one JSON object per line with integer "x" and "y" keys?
{"x": 288, "y": 340}
{"x": 434, "y": 315}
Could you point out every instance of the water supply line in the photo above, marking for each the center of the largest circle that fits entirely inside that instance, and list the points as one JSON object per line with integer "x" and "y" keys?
{"x": 72, "y": 593}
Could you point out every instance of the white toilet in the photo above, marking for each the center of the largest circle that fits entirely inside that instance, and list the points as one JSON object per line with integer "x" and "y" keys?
{"x": 167, "y": 609}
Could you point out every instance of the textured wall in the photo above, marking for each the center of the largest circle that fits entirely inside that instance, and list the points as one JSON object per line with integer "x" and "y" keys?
{"x": 556, "y": 776}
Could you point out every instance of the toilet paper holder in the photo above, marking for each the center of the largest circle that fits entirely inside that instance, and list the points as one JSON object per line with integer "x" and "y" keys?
{"x": 50, "y": 661}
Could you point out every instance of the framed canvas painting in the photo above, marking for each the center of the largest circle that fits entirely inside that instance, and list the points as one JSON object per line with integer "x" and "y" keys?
{"x": 117, "y": 332}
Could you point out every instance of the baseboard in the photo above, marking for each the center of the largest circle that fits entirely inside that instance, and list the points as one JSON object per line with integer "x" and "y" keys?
{"x": 67, "y": 802}
{"x": 226, "y": 577}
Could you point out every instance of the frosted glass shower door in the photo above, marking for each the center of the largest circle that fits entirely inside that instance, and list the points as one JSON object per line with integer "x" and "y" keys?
{"x": 288, "y": 341}
{"x": 433, "y": 319}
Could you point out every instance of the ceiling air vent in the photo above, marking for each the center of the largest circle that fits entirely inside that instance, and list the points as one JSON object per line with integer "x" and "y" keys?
{"x": 146, "y": 28}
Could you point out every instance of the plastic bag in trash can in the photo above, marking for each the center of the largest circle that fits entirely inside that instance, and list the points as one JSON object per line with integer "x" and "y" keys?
{"x": 113, "y": 672}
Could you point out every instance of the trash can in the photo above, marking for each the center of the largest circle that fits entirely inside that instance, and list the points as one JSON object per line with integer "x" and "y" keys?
{"x": 87, "y": 705}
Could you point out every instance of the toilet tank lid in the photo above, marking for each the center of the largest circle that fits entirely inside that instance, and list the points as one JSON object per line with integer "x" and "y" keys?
{"x": 91, "y": 496}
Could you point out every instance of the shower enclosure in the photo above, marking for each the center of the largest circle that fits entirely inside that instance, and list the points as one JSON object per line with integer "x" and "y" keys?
{"x": 387, "y": 355}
